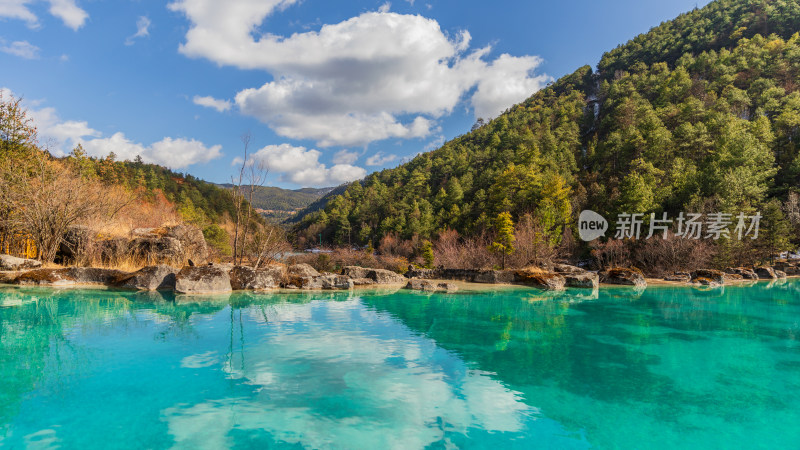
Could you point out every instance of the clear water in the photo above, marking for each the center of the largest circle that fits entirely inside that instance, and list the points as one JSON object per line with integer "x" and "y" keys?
{"x": 667, "y": 368}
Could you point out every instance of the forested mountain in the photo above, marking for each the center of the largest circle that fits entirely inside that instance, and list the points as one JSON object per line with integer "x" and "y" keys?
{"x": 318, "y": 205}
{"x": 198, "y": 201}
{"x": 701, "y": 114}
{"x": 279, "y": 199}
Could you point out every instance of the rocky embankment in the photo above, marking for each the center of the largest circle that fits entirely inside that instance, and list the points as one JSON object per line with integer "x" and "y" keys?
{"x": 716, "y": 278}
{"x": 206, "y": 279}
{"x": 171, "y": 245}
{"x": 221, "y": 278}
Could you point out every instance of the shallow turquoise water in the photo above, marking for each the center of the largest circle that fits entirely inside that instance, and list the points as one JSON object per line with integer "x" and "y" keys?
{"x": 669, "y": 367}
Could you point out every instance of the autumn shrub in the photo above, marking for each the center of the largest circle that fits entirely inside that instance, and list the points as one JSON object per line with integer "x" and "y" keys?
{"x": 531, "y": 246}
{"x": 656, "y": 257}
{"x": 611, "y": 253}
{"x": 393, "y": 245}
{"x": 454, "y": 251}
{"x": 339, "y": 258}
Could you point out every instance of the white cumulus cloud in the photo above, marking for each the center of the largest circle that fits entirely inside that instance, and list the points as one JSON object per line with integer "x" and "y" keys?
{"x": 211, "y": 102}
{"x": 302, "y": 166}
{"x": 508, "y": 80}
{"x": 173, "y": 153}
{"x": 345, "y": 156}
{"x": 375, "y": 76}
{"x": 379, "y": 159}
{"x": 61, "y": 136}
{"x": 23, "y": 49}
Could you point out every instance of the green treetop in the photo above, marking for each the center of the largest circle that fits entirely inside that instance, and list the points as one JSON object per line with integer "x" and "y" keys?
{"x": 504, "y": 240}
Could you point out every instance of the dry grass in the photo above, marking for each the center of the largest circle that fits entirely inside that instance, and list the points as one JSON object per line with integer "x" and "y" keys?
{"x": 533, "y": 270}
{"x": 140, "y": 213}
{"x": 339, "y": 258}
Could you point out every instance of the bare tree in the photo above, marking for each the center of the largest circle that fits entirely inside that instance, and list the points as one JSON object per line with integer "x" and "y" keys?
{"x": 252, "y": 174}
{"x": 532, "y": 244}
{"x": 269, "y": 243}
{"x": 238, "y": 197}
{"x": 46, "y": 202}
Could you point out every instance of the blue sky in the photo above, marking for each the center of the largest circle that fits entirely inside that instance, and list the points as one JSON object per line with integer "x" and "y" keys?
{"x": 329, "y": 91}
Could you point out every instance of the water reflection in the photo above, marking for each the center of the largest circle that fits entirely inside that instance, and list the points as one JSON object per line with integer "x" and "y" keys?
{"x": 611, "y": 368}
{"x": 667, "y": 355}
{"x": 316, "y": 369}
{"x": 319, "y": 380}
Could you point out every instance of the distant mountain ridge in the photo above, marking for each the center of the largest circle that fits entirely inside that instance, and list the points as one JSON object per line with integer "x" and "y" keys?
{"x": 273, "y": 200}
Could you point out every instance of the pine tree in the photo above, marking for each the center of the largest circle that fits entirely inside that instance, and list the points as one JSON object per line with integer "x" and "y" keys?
{"x": 504, "y": 239}
{"x": 427, "y": 254}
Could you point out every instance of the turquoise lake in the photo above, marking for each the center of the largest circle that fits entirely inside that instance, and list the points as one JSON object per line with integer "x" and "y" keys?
{"x": 670, "y": 367}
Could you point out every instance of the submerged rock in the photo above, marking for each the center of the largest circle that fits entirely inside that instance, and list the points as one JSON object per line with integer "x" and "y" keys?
{"x": 148, "y": 278}
{"x": 494, "y": 276}
{"x": 202, "y": 279}
{"x": 589, "y": 280}
{"x": 746, "y": 273}
{"x": 765, "y": 273}
{"x": 69, "y": 276}
{"x": 541, "y": 279}
{"x": 378, "y": 276}
{"x": 623, "y": 276}
{"x": 733, "y": 277}
{"x": 715, "y": 276}
{"x": 8, "y": 262}
{"x": 333, "y": 281}
{"x": 683, "y": 277}
{"x": 431, "y": 286}
{"x": 703, "y": 281}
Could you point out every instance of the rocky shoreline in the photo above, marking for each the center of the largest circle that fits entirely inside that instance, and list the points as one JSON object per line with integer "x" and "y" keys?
{"x": 221, "y": 278}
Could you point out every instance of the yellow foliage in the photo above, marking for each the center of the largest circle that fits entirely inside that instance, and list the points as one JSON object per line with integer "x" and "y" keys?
{"x": 19, "y": 245}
